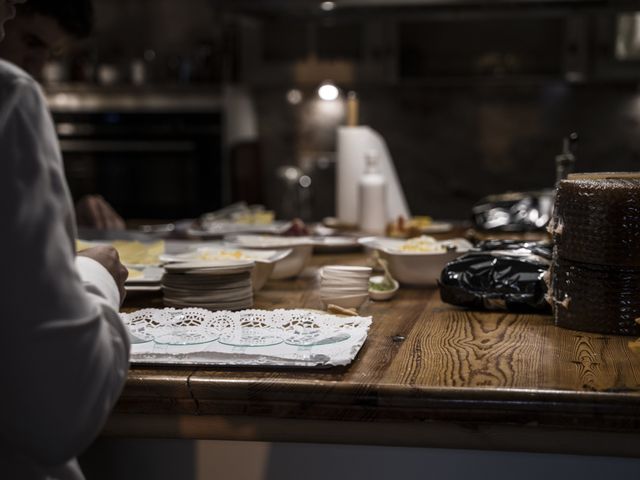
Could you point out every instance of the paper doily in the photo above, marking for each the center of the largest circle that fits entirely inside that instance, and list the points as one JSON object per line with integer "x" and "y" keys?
{"x": 247, "y": 328}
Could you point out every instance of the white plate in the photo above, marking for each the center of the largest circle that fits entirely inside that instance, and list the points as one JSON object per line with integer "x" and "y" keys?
{"x": 347, "y": 269}
{"x": 150, "y": 275}
{"x": 209, "y": 253}
{"x": 242, "y": 305}
{"x": 343, "y": 274}
{"x": 211, "y": 267}
{"x": 227, "y": 227}
{"x": 143, "y": 288}
{"x": 268, "y": 241}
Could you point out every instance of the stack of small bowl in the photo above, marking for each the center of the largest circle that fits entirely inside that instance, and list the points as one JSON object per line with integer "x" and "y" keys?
{"x": 344, "y": 286}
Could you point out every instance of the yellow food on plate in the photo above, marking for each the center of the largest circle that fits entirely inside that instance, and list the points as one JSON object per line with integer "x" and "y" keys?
{"x": 421, "y": 222}
{"x": 80, "y": 245}
{"x": 422, "y": 244}
{"x": 411, "y": 227}
{"x": 131, "y": 252}
{"x": 263, "y": 217}
{"x": 138, "y": 253}
{"x": 223, "y": 255}
{"x": 133, "y": 274}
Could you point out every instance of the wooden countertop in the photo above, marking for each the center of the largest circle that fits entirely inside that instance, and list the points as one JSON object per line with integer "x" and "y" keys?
{"x": 429, "y": 375}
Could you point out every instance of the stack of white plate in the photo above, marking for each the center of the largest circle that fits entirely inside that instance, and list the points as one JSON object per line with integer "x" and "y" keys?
{"x": 215, "y": 285}
{"x": 345, "y": 286}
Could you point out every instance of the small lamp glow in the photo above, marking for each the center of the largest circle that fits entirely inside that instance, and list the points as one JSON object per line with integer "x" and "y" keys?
{"x": 305, "y": 181}
{"x": 328, "y": 6}
{"x": 328, "y": 92}
{"x": 294, "y": 96}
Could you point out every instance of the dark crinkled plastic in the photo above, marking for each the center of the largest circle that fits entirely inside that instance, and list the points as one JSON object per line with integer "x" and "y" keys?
{"x": 499, "y": 275}
{"x": 514, "y": 212}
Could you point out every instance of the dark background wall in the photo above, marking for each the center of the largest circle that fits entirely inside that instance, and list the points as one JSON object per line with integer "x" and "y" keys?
{"x": 471, "y": 101}
{"x": 454, "y": 145}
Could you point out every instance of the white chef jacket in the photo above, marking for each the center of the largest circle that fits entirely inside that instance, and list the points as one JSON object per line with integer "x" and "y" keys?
{"x": 63, "y": 348}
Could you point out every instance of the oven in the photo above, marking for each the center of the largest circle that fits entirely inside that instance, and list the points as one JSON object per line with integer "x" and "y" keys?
{"x": 148, "y": 159}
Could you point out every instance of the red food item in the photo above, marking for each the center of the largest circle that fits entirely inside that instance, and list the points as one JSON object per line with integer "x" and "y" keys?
{"x": 297, "y": 229}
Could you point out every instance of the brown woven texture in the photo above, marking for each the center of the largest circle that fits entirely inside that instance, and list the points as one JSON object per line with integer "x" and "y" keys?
{"x": 596, "y": 298}
{"x": 600, "y": 221}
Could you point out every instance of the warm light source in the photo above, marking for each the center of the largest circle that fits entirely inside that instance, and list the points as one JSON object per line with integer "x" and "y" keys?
{"x": 305, "y": 181}
{"x": 294, "y": 96}
{"x": 327, "y": 6}
{"x": 328, "y": 92}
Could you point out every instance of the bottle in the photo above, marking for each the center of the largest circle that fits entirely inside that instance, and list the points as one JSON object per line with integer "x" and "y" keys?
{"x": 373, "y": 197}
{"x": 352, "y": 109}
{"x": 566, "y": 161}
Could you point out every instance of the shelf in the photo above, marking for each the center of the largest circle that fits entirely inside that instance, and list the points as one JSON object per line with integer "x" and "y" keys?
{"x": 90, "y": 98}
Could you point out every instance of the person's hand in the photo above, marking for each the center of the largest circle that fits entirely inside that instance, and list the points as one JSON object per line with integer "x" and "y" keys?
{"x": 108, "y": 257}
{"x": 95, "y": 212}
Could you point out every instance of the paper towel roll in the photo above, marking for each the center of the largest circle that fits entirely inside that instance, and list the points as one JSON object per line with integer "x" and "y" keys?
{"x": 353, "y": 144}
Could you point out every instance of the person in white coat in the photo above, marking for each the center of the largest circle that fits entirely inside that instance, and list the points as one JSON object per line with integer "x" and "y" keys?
{"x": 42, "y": 29}
{"x": 63, "y": 347}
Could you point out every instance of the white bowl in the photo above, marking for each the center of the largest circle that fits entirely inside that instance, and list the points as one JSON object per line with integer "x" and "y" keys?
{"x": 347, "y": 270}
{"x": 416, "y": 268}
{"x": 381, "y": 295}
{"x": 294, "y": 264}
{"x": 291, "y": 266}
{"x": 337, "y": 292}
{"x": 345, "y": 301}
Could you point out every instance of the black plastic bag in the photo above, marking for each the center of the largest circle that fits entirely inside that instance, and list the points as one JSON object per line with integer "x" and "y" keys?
{"x": 499, "y": 275}
{"x": 514, "y": 212}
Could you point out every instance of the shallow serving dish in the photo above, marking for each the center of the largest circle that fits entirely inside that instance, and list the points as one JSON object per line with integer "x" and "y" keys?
{"x": 416, "y": 268}
{"x": 290, "y": 266}
{"x": 265, "y": 260}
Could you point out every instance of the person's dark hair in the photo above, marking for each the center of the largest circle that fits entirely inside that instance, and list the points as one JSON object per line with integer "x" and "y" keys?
{"x": 74, "y": 16}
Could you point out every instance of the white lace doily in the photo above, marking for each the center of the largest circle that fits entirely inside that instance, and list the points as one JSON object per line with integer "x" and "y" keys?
{"x": 248, "y": 337}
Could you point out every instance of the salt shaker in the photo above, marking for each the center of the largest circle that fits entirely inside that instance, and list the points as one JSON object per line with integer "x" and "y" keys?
{"x": 373, "y": 197}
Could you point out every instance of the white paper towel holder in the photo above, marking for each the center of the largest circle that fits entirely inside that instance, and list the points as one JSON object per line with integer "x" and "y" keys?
{"x": 353, "y": 144}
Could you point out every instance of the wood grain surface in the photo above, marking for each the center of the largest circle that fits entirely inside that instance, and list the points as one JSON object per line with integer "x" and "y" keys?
{"x": 424, "y": 364}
